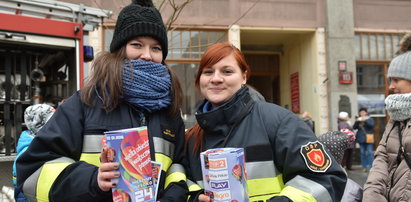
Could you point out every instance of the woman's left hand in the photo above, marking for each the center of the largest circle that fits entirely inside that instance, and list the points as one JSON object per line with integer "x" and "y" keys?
{"x": 106, "y": 172}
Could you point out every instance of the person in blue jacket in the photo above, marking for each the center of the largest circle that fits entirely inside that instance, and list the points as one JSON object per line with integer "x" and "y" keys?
{"x": 130, "y": 86}
{"x": 35, "y": 116}
{"x": 365, "y": 124}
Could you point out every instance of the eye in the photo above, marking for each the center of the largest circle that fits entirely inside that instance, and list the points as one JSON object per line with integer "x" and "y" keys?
{"x": 157, "y": 48}
{"x": 136, "y": 44}
{"x": 228, "y": 71}
{"x": 208, "y": 71}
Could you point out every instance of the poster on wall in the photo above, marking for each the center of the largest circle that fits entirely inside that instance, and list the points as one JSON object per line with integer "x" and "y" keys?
{"x": 374, "y": 103}
{"x": 295, "y": 92}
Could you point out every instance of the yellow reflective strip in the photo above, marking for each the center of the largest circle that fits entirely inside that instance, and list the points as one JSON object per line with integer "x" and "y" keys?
{"x": 91, "y": 158}
{"x": 194, "y": 187}
{"x": 297, "y": 195}
{"x": 165, "y": 160}
{"x": 174, "y": 177}
{"x": 264, "y": 187}
{"x": 48, "y": 175}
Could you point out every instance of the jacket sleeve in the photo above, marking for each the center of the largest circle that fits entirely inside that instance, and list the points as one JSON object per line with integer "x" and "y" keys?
{"x": 175, "y": 181}
{"x": 50, "y": 169}
{"x": 356, "y": 125}
{"x": 369, "y": 125}
{"x": 375, "y": 188}
{"x": 304, "y": 180}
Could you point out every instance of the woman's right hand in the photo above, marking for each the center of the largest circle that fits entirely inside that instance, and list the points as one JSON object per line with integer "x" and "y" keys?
{"x": 204, "y": 198}
{"x": 106, "y": 172}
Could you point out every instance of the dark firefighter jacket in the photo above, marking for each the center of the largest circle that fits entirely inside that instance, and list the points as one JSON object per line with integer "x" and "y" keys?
{"x": 283, "y": 156}
{"x": 61, "y": 164}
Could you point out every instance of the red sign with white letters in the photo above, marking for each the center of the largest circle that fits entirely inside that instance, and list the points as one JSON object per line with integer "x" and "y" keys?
{"x": 345, "y": 77}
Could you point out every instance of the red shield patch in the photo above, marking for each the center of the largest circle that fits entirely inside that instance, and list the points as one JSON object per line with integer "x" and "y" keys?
{"x": 316, "y": 158}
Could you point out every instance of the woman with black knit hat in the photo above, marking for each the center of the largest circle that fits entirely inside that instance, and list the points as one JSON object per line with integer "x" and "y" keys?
{"x": 389, "y": 177}
{"x": 128, "y": 87}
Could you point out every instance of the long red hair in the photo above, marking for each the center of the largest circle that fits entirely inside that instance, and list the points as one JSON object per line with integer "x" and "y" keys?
{"x": 211, "y": 56}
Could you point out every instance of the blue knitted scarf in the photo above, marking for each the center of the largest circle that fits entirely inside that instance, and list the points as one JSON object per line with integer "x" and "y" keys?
{"x": 146, "y": 85}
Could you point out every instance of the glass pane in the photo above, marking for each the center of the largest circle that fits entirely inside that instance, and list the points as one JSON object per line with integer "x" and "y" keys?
{"x": 371, "y": 81}
{"x": 175, "y": 38}
{"x": 396, "y": 43}
{"x": 364, "y": 45}
{"x": 373, "y": 47}
{"x": 357, "y": 47}
{"x": 108, "y": 36}
{"x": 388, "y": 43}
{"x": 371, "y": 93}
{"x": 195, "y": 40}
{"x": 221, "y": 36}
{"x": 185, "y": 44}
{"x": 186, "y": 73}
{"x": 381, "y": 47}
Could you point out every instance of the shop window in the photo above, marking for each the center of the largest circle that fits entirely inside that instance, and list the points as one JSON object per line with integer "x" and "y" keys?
{"x": 376, "y": 46}
{"x": 190, "y": 44}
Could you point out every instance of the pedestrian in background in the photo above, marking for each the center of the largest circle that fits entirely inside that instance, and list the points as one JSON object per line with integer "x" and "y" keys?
{"x": 343, "y": 123}
{"x": 129, "y": 87}
{"x": 276, "y": 141}
{"x": 365, "y": 125}
{"x": 389, "y": 179}
{"x": 306, "y": 116}
{"x": 35, "y": 117}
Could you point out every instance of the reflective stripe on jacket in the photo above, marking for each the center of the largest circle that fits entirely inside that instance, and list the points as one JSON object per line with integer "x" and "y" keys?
{"x": 74, "y": 141}
{"x": 281, "y": 170}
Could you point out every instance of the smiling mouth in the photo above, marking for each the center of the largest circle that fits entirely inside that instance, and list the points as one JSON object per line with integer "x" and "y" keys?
{"x": 216, "y": 89}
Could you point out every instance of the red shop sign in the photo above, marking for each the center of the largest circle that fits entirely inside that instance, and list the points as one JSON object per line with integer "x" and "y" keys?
{"x": 295, "y": 93}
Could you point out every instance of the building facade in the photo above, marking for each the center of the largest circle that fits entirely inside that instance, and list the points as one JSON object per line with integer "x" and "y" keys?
{"x": 320, "y": 56}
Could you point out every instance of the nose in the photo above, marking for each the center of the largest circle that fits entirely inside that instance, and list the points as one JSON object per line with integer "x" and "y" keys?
{"x": 146, "y": 55}
{"x": 216, "y": 78}
{"x": 391, "y": 86}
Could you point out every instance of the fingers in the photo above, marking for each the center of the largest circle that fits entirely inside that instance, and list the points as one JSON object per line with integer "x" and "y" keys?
{"x": 107, "y": 172}
{"x": 103, "y": 156}
{"x": 203, "y": 198}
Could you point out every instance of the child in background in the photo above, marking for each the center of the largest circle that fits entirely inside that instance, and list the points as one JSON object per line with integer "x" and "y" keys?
{"x": 35, "y": 117}
{"x": 337, "y": 142}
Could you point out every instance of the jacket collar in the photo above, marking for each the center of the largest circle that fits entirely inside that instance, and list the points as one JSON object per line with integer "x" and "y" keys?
{"x": 219, "y": 120}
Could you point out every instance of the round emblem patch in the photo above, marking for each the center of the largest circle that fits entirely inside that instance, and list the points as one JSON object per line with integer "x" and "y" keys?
{"x": 316, "y": 158}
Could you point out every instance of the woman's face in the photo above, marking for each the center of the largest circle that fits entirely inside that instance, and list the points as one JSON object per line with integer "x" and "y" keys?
{"x": 144, "y": 48}
{"x": 220, "y": 82}
{"x": 400, "y": 86}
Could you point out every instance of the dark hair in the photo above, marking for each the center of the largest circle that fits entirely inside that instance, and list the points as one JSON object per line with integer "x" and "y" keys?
{"x": 106, "y": 78}
{"x": 363, "y": 109}
{"x": 211, "y": 56}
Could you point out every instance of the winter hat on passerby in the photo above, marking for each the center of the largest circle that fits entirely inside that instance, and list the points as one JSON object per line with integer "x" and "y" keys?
{"x": 336, "y": 142}
{"x": 35, "y": 116}
{"x": 400, "y": 66}
{"x": 140, "y": 18}
{"x": 343, "y": 115}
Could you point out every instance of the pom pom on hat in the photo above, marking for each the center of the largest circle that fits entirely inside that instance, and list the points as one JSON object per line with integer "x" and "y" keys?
{"x": 400, "y": 66}
{"x": 140, "y": 18}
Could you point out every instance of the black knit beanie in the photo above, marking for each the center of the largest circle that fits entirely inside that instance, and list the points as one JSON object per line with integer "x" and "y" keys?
{"x": 140, "y": 18}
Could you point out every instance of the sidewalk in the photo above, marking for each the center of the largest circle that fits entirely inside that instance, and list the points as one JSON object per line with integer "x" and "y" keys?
{"x": 357, "y": 175}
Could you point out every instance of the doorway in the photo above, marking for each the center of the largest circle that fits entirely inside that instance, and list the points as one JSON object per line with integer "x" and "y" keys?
{"x": 265, "y": 74}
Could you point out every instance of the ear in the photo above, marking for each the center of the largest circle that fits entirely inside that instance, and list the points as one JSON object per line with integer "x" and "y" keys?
{"x": 244, "y": 77}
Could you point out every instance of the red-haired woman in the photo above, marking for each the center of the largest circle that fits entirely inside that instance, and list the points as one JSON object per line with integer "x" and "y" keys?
{"x": 284, "y": 159}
